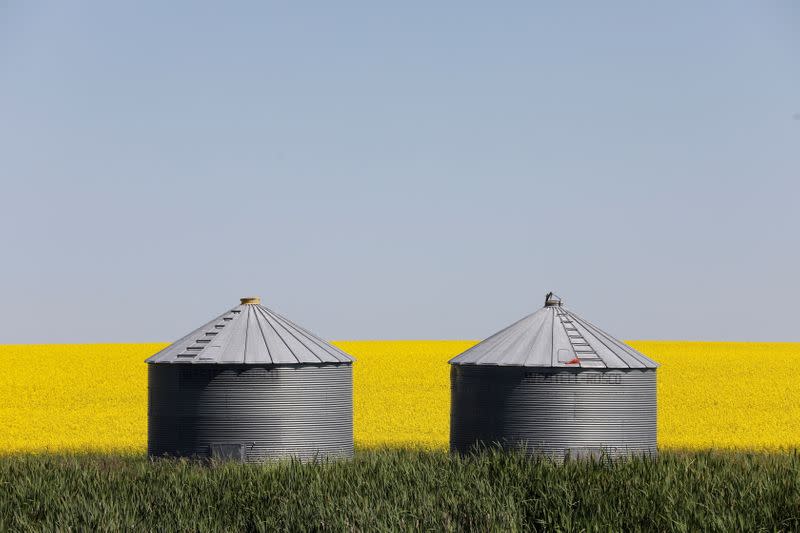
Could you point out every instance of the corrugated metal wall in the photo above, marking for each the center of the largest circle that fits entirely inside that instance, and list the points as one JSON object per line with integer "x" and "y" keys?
{"x": 554, "y": 411}
{"x": 275, "y": 412}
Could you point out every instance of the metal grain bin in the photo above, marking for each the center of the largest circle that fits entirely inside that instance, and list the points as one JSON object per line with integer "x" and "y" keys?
{"x": 554, "y": 384}
{"x": 250, "y": 385}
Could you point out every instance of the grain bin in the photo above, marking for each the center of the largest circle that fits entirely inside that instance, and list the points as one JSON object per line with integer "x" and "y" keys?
{"x": 250, "y": 385}
{"x": 554, "y": 384}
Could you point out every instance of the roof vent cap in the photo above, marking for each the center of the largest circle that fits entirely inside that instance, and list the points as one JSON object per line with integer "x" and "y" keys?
{"x": 551, "y": 300}
{"x": 250, "y": 300}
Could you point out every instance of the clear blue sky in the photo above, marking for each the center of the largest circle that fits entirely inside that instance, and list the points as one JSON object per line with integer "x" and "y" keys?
{"x": 399, "y": 170}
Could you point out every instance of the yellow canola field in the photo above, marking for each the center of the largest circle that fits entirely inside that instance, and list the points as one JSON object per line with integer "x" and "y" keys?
{"x": 710, "y": 394}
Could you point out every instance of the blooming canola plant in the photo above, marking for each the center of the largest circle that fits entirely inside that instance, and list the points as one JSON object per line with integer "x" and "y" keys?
{"x": 94, "y": 397}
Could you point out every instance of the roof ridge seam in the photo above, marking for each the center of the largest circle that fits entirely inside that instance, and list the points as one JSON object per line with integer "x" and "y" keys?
{"x": 225, "y": 336}
{"x": 491, "y": 337}
{"x": 270, "y": 314}
{"x": 505, "y": 341}
{"x": 324, "y": 345}
{"x": 500, "y": 338}
{"x": 266, "y": 344}
{"x": 496, "y": 337}
{"x": 532, "y": 343}
{"x": 246, "y": 331}
{"x": 580, "y": 322}
{"x": 279, "y": 335}
{"x": 553, "y": 340}
{"x": 628, "y": 349}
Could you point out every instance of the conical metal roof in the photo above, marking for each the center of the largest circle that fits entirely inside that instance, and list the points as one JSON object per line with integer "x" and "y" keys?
{"x": 553, "y": 336}
{"x": 251, "y": 334}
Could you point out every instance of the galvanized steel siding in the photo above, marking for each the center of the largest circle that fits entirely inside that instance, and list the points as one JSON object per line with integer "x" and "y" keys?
{"x": 554, "y": 411}
{"x": 290, "y": 411}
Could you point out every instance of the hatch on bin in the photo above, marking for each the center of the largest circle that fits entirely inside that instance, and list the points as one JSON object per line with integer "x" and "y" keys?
{"x": 227, "y": 451}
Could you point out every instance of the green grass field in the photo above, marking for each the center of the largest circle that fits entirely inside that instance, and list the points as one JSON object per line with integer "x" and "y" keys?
{"x": 394, "y": 490}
